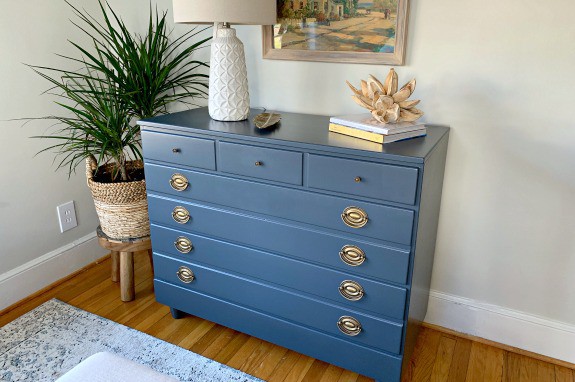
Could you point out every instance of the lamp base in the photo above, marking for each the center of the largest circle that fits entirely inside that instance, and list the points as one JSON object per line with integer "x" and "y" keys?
{"x": 229, "y": 98}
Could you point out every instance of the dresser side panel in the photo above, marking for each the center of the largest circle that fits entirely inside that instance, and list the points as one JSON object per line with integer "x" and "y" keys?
{"x": 426, "y": 237}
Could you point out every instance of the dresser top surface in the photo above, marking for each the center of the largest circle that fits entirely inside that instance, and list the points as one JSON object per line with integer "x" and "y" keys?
{"x": 300, "y": 130}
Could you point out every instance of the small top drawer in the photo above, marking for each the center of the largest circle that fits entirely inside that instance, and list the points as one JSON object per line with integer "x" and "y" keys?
{"x": 259, "y": 162}
{"x": 187, "y": 151}
{"x": 372, "y": 180}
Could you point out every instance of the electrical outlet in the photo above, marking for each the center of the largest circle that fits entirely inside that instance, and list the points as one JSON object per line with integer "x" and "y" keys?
{"x": 67, "y": 216}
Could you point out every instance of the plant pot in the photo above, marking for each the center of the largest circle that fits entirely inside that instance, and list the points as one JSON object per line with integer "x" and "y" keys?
{"x": 122, "y": 207}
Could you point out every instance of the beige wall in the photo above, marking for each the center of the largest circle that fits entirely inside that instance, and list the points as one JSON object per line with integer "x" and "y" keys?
{"x": 31, "y": 32}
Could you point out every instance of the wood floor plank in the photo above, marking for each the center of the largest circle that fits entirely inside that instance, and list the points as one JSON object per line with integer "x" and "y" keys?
{"x": 528, "y": 369}
{"x": 428, "y": 346}
{"x": 218, "y": 343}
{"x": 512, "y": 367}
{"x": 284, "y": 366}
{"x": 299, "y": 370}
{"x": 145, "y": 321}
{"x": 253, "y": 362}
{"x": 443, "y": 359}
{"x": 563, "y": 374}
{"x": 231, "y": 348}
{"x": 494, "y": 363}
{"x": 207, "y": 339}
{"x": 200, "y": 329}
{"x": 269, "y": 363}
{"x": 331, "y": 374}
{"x": 122, "y": 313}
{"x": 476, "y": 368}
{"x": 180, "y": 328}
{"x": 316, "y": 371}
{"x": 460, "y": 361}
{"x": 348, "y": 376}
{"x": 545, "y": 372}
{"x": 244, "y": 352}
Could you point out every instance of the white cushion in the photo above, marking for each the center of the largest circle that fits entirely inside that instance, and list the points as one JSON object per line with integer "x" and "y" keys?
{"x": 107, "y": 367}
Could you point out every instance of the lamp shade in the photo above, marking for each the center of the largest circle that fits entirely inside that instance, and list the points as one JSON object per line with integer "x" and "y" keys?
{"x": 247, "y": 12}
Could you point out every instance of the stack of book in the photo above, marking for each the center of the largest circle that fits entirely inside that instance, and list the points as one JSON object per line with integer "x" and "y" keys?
{"x": 364, "y": 126}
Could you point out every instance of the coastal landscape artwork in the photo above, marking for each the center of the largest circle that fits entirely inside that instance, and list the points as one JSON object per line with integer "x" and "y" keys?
{"x": 352, "y": 31}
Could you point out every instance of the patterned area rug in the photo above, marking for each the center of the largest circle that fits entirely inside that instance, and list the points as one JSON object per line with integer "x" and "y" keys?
{"x": 45, "y": 343}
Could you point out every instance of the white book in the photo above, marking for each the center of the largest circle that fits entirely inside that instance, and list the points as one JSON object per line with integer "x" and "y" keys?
{"x": 366, "y": 122}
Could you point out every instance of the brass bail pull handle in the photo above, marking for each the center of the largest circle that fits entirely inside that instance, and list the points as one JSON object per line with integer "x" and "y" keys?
{"x": 350, "y": 290}
{"x": 354, "y": 217}
{"x": 352, "y": 255}
{"x": 185, "y": 275}
{"x": 181, "y": 215}
{"x": 179, "y": 182}
{"x": 349, "y": 326}
{"x": 183, "y": 245}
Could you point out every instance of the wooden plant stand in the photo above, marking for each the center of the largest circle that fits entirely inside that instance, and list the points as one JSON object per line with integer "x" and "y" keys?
{"x": 123, "y": 260}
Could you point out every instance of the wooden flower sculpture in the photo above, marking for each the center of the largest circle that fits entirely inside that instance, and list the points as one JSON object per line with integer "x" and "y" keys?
{"x": 386, "y": 103}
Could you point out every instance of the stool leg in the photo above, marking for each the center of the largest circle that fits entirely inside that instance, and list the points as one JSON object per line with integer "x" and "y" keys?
{"x": 115, "y": 266}
{"x": 127, "y": 288}
{"x": 151, "y": 256}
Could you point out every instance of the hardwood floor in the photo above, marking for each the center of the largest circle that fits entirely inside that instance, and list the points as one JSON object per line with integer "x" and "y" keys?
{"x": 439, "y": 356}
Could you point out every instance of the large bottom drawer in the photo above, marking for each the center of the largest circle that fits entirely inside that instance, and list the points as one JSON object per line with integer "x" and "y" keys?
{"x": 379, "y": 298}
{"x": 319, "y": 315}
{"x": 374, "y": 364}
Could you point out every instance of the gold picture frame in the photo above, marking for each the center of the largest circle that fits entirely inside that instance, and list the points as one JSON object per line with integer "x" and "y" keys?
{"x": 362, "y": 22}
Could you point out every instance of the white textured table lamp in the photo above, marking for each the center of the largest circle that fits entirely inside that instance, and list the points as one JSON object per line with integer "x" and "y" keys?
{"x": 229, "y": 98}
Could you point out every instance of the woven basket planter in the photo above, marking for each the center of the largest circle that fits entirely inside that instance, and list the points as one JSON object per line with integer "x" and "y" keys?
{"x": 121, "y": 207}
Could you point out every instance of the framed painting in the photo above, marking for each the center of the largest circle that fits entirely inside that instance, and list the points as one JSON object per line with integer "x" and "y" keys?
{"x": 344, "y": 31}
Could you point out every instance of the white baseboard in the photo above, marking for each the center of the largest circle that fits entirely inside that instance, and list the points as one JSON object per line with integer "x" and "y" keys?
{"x": 510, "y": 327}
{"x": 29, "y": 278}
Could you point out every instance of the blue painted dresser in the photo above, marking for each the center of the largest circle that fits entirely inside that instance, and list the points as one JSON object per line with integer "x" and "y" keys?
{"x": 315, "y": 241}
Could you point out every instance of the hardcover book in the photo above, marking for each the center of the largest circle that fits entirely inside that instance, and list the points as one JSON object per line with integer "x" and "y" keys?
{"x": 366, "y": 122}
{"x": 375, "y": 137}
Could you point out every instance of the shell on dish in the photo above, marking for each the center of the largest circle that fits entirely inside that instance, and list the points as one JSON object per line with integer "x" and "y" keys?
{"x": 265, "y": 120}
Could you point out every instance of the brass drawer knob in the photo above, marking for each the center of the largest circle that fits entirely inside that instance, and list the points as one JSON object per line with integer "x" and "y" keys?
{"x": 258, "y": 163}
{"x": 179, "y": 182}
{"x": 354, "y": 217}
{"x": 352, "y": 255}
{"x": 181, "y": 215}
{"x": 358, "y": 179}
{"x": 351, "y": 290}
{"x": 183, "y": 245}
{"x": 349, "y": 325}
{"x": 185, "y": 275}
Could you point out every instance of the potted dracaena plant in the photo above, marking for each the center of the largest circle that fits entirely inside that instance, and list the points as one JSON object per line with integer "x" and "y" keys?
{"x": 123, "y": 77}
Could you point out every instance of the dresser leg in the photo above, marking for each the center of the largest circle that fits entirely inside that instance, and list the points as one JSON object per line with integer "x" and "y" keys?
{"x": 177, "y": 314}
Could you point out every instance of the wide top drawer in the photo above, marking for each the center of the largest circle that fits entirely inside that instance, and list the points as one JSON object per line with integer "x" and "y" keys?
{"x": 372, "y": 180}
{"x": 260, "y": 162}
{"x": 187, "y": 151}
